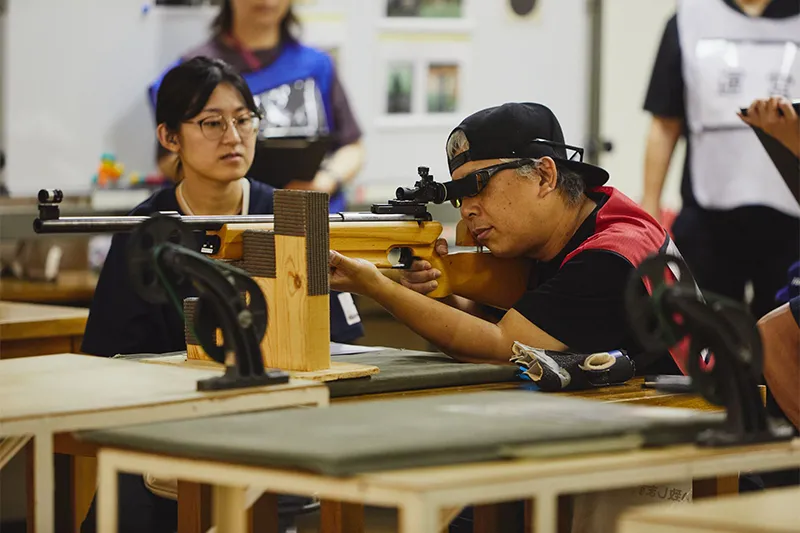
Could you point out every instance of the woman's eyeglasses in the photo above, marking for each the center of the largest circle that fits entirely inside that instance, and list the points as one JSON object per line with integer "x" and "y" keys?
{"x": 214, "y": 127}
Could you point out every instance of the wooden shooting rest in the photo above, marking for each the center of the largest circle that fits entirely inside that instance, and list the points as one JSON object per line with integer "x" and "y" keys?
{"x": 289, "y": 261}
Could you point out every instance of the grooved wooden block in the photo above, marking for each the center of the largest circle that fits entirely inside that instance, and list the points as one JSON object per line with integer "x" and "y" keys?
{"x": 259, "y": 253}
{"x": 269, "y": 344}
{"x": 193, "y": 348}
{"x": 189, "y": 306}
{"x": 305, "y": 214}
{"x": 302, "y": 320}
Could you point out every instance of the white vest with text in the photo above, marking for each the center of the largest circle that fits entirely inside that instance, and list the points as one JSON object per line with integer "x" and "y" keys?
{"x": 729, "y": 60}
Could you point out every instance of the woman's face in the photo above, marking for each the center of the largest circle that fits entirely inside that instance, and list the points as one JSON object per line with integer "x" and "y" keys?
{"x": 219, "y": 143}
{"x": 261, "y": 12}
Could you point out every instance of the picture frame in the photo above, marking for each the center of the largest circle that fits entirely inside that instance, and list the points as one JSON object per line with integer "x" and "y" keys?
{"x": 425, "y": 15}
{"x": 447, "y": 9}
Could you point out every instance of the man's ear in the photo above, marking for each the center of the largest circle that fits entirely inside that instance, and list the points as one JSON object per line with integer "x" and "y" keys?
{"x": 548, "y": 176}
{"x": 168, "y": 139}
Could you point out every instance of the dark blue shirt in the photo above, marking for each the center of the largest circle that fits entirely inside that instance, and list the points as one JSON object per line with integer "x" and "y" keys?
{"x": 121, "y": 322}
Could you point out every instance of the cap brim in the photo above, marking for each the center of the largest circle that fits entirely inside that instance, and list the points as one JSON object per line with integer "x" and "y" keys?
{"x": 592, "y": 175}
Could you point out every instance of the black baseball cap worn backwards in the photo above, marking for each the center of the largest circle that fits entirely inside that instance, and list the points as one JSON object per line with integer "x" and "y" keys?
{"x": 518, "y": 130}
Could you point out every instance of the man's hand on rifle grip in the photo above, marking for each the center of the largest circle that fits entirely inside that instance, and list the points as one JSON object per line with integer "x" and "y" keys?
{"x": 421, "y": 277}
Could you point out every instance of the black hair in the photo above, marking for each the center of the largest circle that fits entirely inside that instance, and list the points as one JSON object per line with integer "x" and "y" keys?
{"x": 223, "y": 23}
{"x": 185, "y": 90}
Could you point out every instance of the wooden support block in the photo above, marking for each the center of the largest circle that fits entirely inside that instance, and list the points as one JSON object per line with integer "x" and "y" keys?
{"x": 290, "y": 265}
{"x": 302, "y": 289}
{"x": 193, "y": 348}
{"x": 341, "y": 517}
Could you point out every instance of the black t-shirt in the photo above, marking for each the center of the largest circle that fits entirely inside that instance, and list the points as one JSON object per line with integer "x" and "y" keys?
{"x": 582, "y": 303}
{"x": 665, "y": 94}
{"x": 121, "y": 322}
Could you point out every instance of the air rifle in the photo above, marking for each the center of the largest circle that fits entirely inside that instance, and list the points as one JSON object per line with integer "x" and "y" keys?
{"x": 390, "y": 236}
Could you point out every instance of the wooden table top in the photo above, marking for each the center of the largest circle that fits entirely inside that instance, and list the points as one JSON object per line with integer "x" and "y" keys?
{"x": 770, "y": 511}
{"x": 28, "y": 321}
{"x": 631, "y": 391}
{"x": 71, "y": 286}
{"x": 443, "y": 477}
{"x": 36, "y": 391}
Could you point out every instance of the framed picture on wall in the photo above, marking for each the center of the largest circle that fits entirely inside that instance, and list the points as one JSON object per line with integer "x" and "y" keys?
{"x": 442, "y": 88}
{"x": 425, "y": 8}
{"x": 420, "y": 91}
{"x": 400, "y": 87}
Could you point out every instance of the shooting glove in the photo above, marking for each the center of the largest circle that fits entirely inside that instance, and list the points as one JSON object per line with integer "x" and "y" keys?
{"x": 561, "y": 371}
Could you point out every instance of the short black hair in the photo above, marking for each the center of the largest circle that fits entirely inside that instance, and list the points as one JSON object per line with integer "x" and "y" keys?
{"x": 186, "y": 88}
{"x": 223, "y": 23}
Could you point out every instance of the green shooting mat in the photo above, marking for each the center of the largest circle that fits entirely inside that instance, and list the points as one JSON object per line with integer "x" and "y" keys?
{"x": 406, "y": 370}
{"x": 350, "y": 438}
{"x": 401, "y": 370}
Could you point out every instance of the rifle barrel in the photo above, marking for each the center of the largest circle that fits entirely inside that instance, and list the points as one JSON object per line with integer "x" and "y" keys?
{"x": 119, "y": 224}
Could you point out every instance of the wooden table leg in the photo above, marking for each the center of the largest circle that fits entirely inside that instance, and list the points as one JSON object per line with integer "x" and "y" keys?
{"x": 565, "y": 509}
{"x": 715, "y": 486}
{"x": 30, "y": 519}
{"x": 495, "y": 518}
{"x": 341, "y": 517}
{"x": 43, "y": 478}
{"x": 263, "y": 515}
{"x": 194, "y": 507}
{"x": 84, "y": 485}
{"x": 545, "y": 518}
{"x": 230, "y": 509}
{"x": 107, "y": 495}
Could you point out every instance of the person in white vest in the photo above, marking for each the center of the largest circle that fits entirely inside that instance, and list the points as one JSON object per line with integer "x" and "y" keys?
{"x": 739, "y": 221}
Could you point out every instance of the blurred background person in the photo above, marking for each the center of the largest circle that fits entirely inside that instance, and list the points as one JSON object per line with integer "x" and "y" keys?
{"x": 738, "y": 223}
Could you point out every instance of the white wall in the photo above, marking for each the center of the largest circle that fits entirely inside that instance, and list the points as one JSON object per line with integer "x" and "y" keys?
{"x": 632, "y": 32}
{"x": 87, "y": 94}
{"x": 505, "y": 58}
{"x": 75, "y": 86}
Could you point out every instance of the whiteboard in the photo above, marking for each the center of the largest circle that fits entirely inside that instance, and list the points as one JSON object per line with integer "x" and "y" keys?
{"x": 75, "y": 86}
{"x": 75, "y": 80}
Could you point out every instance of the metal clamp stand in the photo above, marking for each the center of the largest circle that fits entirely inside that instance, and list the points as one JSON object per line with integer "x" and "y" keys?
{"x": 162, "y": 265}
{"x": 725, "y": 351}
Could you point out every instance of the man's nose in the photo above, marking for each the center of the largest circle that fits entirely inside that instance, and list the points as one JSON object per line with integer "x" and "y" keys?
{"x": 469, "y": 207}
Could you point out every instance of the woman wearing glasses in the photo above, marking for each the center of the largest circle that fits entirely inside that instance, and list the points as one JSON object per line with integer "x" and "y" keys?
{"x": 300, "y": 95}
{"x": 208, "y": 118}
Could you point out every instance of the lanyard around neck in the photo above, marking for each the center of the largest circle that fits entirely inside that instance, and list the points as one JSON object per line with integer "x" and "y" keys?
{"x": 245, "y": 53}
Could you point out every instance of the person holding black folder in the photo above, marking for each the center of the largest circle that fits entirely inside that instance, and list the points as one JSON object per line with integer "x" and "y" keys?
{"x": 776, "y": 123}
{"x": 309, "y": 137}
{"x": 738, "y": 225}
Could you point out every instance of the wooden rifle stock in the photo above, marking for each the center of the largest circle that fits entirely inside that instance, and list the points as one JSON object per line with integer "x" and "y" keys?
{"x": 476, "y": 275}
